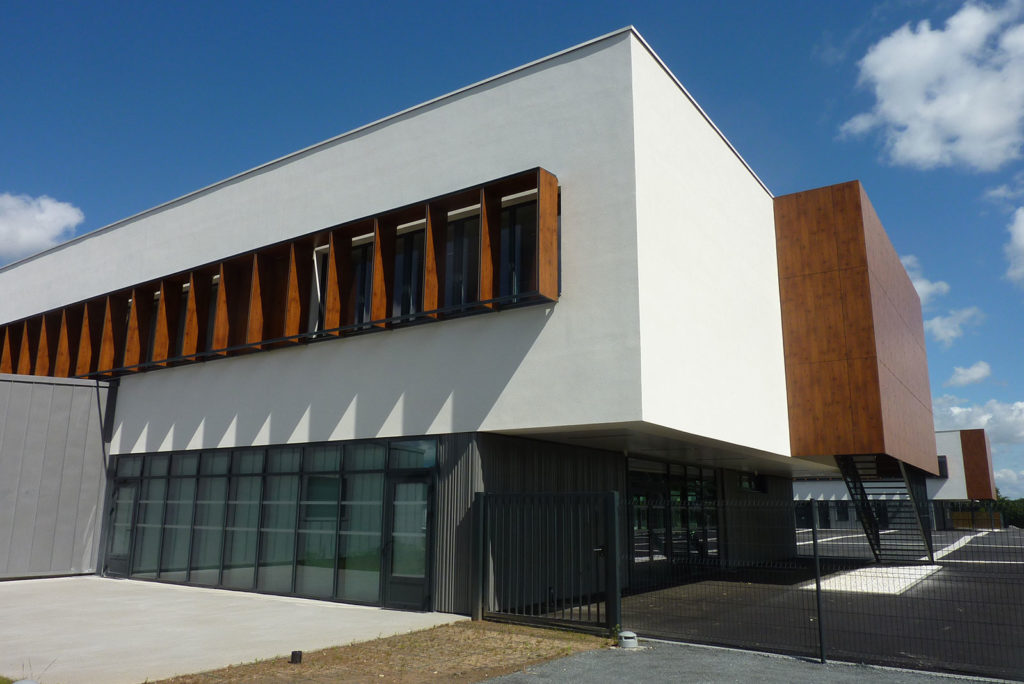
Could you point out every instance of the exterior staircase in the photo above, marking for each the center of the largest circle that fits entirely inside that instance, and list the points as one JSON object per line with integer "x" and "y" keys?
{"x": 892, "y": 504}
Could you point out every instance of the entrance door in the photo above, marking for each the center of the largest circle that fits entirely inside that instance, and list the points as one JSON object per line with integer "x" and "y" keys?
{"x": 121, "y": 518}
{"x": 407, "y": 547}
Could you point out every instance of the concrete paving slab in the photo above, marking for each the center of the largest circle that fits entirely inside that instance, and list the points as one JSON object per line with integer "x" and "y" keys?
{"x": 87, "y": 630}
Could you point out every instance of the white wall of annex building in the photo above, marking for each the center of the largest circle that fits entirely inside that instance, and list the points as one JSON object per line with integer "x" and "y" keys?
{"x": 710, "y": 319}
{"x": 572, "y": 363}
{"x": 954, "y": 487}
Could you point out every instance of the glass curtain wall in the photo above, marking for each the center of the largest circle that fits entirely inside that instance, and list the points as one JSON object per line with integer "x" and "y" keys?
{"x": 303, "y": 520}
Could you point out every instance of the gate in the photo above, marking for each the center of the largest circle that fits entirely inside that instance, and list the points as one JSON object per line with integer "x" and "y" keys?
{"x": 549, "y": 558}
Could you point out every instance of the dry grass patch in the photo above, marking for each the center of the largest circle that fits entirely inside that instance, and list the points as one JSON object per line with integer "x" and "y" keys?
{"x": 460, "y": 653}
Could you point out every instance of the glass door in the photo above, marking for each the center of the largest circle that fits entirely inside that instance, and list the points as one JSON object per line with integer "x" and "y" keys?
{"x": 406, "y": 556}
{"x": 120, "y": 545}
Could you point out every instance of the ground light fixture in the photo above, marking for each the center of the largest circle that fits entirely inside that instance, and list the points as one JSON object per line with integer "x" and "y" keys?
{"x": 628, "y": 640}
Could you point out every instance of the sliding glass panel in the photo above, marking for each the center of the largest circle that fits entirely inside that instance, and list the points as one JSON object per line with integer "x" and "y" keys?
{"x": 147, "y": 530}
{"x": 208, "y": 534}
{"x": 318, "y": 524}
{"x": 243, "y": 514}
{"x": 177, "y": 529}
{"x": 409, "y": 535}
{"x": 277, "y": 534}
{"x": 359, "y": 541}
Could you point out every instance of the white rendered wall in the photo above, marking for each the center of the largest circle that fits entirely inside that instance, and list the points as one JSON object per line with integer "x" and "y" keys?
{"x": 710, "y": 318}
{"x": 954, "y": 487}
{"x": 572, "y": 363}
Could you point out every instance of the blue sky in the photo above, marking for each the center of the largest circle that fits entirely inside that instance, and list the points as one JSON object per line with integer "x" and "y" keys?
{"x": 107, "y": 109}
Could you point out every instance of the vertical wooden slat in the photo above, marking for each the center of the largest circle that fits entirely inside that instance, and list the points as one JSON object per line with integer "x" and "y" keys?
{"x": 433, "y": 258}
{"x": 254, "y": 325}
{"x": 140, "y": 314}
{"x": 10, "y": 338}
{"x": 115, "y": 315}
{"x": 233, "y": 294}
{"x": 46, "y": 347}
{"x": 383, "y": 270}
{"x": 91, "y": 337}
{"x": 339, "y": 277}
{"x": 547, "y": 235}
{"x": 298, "y": 287}
{"x": 490, "y": 244}
{"x": 29, "y": 341}
{"x": 165, "y": 333}
{"x": 197, "y": 311}
{"x": 68, "y": 338}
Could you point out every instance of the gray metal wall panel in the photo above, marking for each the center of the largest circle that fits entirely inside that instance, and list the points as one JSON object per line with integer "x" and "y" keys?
{"x": 52, "y": 475}
{"x": 458, "y": 480}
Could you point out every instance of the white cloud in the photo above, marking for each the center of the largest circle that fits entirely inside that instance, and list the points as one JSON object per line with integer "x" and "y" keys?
{"x": 949, "y": 96}
{"x": 1004, "y": 422}
{"x": 1010, "y": 483}
{"x": 1014, "y": 249}
{"x": 926, "y": 289}
{"x": 945, "y": 329}
{"x": 1008, "y": 193}
{"x": 969, "y": 375}
{"x": 32, "y": 224}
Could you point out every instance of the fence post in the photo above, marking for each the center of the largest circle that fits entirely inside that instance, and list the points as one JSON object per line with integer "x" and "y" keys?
{"x": 612, "y": 590}
{"x": 817, "y": 578}
{"x": 477, "y": 582}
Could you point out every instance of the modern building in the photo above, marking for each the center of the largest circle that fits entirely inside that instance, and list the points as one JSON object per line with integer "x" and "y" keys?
{"x": 960, "y": 495}
{"x": 563, "y": 279}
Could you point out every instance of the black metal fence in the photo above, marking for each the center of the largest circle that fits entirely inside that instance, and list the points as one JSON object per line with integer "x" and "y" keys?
{"x": 782, "y": 582}
{"x": 548, "y": 558}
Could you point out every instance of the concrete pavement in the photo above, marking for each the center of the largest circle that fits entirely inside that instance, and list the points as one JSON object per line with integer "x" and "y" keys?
{"x": 86, "y": 630}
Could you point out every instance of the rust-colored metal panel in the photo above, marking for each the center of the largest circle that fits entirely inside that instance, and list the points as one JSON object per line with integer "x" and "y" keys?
{"x": 337, "y": 305}
{"x": 434, "y": 257}
{"x": 232, "y": 315}
{"x": 140, "y": 315}
{"x": 547, "y": 235}
{"x": 490, "y": 245}
{"x": 383, "y": 269}
{"x": 977, "y": 464}
{"x": 168, "y": 313}
{"x": 197, "y": 314}
{"x": 267, "y": 299}
{"x": 68, "y": 335}
{"x": 831, "y": 238}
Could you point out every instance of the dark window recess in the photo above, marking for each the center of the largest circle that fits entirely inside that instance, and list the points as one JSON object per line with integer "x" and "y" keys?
{"x": 179, "y": 331}
{"x": 462, "y": 262}
{"x": 943, "y": 467}
{"x": 211, "y": 316}
{"x": 408, "y": 287}
{"x": 151, "y": 324}
{"x": 362, "y": 282}
{"x": 752, "y": 482}
{"x": 321, "y": 284}
{"x": 518, "y": 256}
{"x": 843, "y": 511}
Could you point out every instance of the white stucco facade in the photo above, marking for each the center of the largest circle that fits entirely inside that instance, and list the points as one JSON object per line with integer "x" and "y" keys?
{"x": 669, "y": 310}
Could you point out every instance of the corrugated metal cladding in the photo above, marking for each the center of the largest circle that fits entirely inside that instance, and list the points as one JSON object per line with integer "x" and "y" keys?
{"x": 470, "y": 463}
{"x": 52, "y": 475}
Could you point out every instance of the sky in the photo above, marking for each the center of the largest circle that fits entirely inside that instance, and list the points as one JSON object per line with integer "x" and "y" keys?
{"x": 108, "y": 109}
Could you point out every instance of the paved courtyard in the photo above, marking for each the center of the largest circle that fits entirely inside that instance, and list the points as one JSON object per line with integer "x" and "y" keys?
{"x": 85, "y": 630}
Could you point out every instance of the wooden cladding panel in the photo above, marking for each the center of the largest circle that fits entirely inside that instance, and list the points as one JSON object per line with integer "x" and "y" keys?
{"x": 836, "y": 270}
{"x": 547, "y": 235}
{"x": 382, "y": 293}
{"x": 490, "y": 245}
{"x": 264, "y": 295}
{"x": 67, "y": 341}
{"x": 434, "y": 257}
{"x": 6, "y": 354}
{"x": 978, "y": 473}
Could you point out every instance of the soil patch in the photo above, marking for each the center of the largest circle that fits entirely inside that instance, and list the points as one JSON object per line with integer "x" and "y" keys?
{"x": 459, "y": 653}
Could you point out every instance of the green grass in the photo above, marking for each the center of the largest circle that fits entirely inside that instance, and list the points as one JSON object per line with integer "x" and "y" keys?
{"x": 5, "y": 680}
